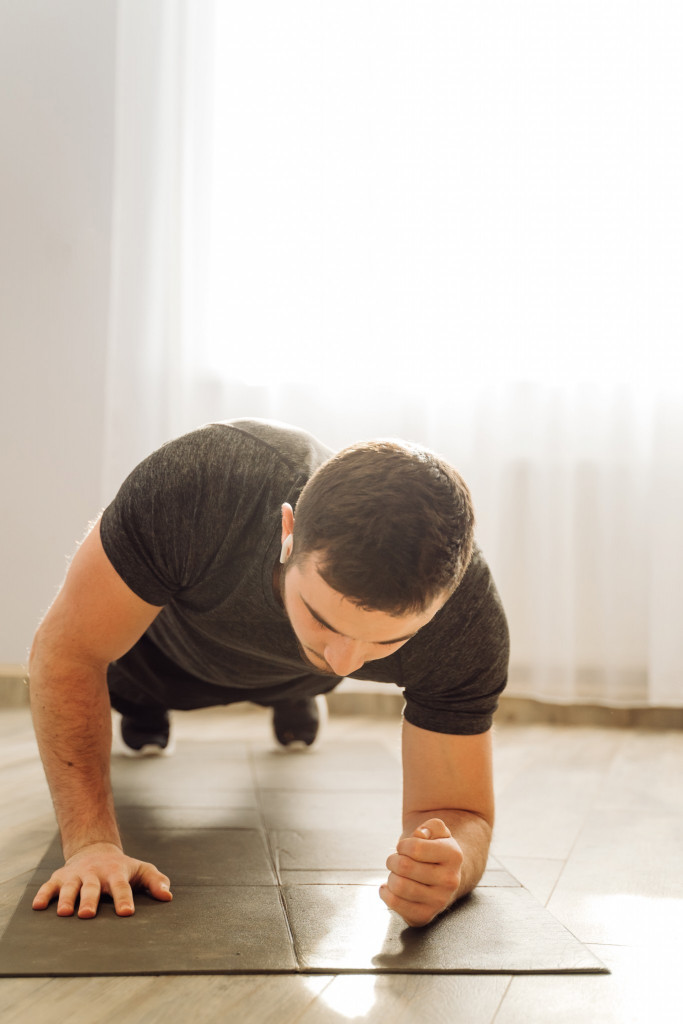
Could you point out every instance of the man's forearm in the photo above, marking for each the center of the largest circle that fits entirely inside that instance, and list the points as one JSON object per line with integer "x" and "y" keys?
{"x": 470, "y": 831}
{"x": 72, "y": 720}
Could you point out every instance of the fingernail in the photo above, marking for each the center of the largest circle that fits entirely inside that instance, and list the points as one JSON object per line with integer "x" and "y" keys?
{"x": 426, "y": 832}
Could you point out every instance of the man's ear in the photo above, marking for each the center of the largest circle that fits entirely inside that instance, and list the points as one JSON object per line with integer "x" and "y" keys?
{"x": 287, "y": 532}
{"x": 287, "y": 521}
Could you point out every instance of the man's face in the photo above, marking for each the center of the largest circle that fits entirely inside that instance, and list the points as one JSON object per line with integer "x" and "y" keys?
{"x": 335, "y": 635}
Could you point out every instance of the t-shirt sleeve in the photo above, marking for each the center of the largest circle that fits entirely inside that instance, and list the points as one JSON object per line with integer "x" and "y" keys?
{"x": 456, "y": 668}
{"x": 158, "y": 532}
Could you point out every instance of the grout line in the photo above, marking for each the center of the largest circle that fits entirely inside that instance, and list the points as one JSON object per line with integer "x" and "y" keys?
{"x": 274, "y": 856}
{"x": 502, "y": 999}
{"x": 272, "y": 851}
{"x": 314, "y": 996}
{"x": 290, "y": 933}
{"x": 615, "y": 945}
{"x": 589, "y": 807}
{"x": 562, "y": 870}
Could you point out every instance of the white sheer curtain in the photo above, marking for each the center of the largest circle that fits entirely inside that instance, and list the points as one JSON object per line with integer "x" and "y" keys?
{"x": 456, "y": 223}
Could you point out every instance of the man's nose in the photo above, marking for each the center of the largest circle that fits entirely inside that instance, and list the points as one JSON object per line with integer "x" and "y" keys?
{"x": 344, "y": 655}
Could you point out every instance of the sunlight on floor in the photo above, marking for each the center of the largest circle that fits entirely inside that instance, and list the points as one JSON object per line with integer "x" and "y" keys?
{"x": 342, "y": 945}
{"x": 352, "y": 996}
{"x": 630, "y": 920}
{"x": 647, "y": 983}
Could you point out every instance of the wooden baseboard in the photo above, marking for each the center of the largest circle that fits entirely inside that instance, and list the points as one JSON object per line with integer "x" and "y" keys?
{"x": 381, "y": 701}
{"x": 13, "y": 687}
{"x": 525, "y": 711}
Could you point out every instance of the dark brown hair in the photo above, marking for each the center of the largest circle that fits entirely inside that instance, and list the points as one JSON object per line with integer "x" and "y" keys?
{"x": 391, "y": 524}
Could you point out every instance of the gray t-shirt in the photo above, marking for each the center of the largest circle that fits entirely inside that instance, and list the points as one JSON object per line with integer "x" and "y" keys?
{"x": 196, "y": 528}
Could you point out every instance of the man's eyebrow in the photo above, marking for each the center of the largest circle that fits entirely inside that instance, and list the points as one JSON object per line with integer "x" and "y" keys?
{"x": 320, "y": 619}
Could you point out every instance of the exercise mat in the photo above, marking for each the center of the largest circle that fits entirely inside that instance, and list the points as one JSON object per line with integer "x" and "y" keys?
{"x": 275, "y": 859}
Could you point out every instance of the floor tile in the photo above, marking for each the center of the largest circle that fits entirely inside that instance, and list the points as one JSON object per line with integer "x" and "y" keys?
{"x": 642, "y": 988}
{"x": 22, "y": 812}
{"x": 329, "y": 849}
{"x": 228, "y": 929}
{"x": 542, "y": 801}
{"x": 338, "y": 809}
{"x": 23, "y": 845}
{"x": 246, "y": 999}
{"x": 239, "y": 815}
{"x": 623, "y": 883}
{"x": 199, "y": 775}
{"x": 11, "y": 892}
{"x": 370, "y": 876}
{"x": 348, "y": 928}
{"x": 332, "y": 876}
{"x": 15, "y": 991}
{"x": 409, "y": 999}
{"x": 646, "y": 772}
{"x": 536, "y": 874}
{"x": 334, "y": 755}
{"x": 32, "y": 800}
{"x": 539, "y": 823}
{"x": 357, "y": 766}
{"x": 492, "y": 878}
{"x": 189, "y": 857}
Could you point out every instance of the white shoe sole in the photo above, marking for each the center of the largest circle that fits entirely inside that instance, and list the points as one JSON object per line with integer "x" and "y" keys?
{"x": 120, "y": 748}
{"x": 299, "y": 746}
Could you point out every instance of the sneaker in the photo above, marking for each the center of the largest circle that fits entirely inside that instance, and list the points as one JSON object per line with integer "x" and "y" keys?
{"x": 296, "y": 723}
{"x": 145, "y": 735}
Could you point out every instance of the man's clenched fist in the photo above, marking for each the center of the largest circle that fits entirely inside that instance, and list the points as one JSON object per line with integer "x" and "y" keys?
{"x": 425, "y": 873}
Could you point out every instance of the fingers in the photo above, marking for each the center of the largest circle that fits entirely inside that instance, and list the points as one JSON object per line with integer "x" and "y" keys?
{"x": 431, "y": 843}
{"x": 409, "y": 889}
{"x": 422, "y": 883}
{"x": 122, "y": 895}
{"x": 90, "y": 898}
{"x": 433, "y": 828}
{"x": 414, "y": 914}
{"x": 86, "y": 877}
{"x": 156, "y": 883}
{"x": 84, "y": 892}
{"x": 45, "y": 895}
{"x": 68, "y": 895}
{"x": 432, "y": 862}
{"x": 407, "y": 867}
{"x": 425, "y": 873}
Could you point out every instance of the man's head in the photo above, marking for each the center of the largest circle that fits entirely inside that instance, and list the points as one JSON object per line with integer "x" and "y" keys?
{"x": 383, "y": 536}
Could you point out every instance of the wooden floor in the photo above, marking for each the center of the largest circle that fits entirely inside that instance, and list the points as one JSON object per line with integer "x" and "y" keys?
{"x": 590, "y": 820}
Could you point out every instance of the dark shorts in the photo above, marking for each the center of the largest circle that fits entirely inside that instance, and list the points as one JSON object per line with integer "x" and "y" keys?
{"x": 145, "y": 677}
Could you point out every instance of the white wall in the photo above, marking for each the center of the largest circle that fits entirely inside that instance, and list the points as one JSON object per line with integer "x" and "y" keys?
{"x": 57, "y": 61}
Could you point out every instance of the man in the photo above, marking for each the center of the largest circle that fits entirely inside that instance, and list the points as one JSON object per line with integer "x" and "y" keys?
{"x": 199, "y": 586}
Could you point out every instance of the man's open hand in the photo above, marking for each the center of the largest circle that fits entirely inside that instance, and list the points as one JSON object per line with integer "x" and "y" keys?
{"x": 425, "y": 873}
{"x": 101, "y": 868}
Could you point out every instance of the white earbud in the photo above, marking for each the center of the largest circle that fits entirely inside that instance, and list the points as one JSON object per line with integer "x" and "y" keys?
{"x": 287, "y": 546}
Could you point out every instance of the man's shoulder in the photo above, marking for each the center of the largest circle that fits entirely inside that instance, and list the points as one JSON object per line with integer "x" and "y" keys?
{"x": 294, "y": 445}
{"x": 246, "y": 445}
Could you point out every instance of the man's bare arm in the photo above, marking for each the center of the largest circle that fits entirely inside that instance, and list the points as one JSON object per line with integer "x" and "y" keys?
{"x": 94, "y": 619}
{"x": 448, "y": 810}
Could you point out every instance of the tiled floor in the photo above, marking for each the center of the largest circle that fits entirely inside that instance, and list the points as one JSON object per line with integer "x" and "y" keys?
{"x": 588, "y": 819}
